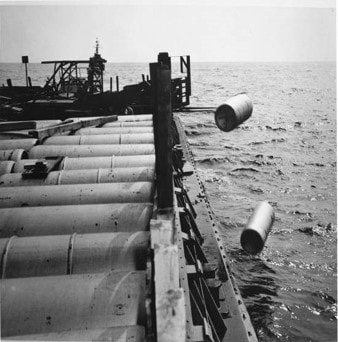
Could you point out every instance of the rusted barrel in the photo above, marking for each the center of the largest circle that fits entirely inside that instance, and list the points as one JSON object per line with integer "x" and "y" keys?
{"x": 114, "y": 130}
{"x": 134, "y": 333}
{"x": 77, "y": 151}
{"x": 32, "y": 196}
{"x": 129, "y": 124}
{"x": 6, "y": 166}
{"x": 13, "y": 144}
{"x": 102, "y": 139}
{"x": 69, "y": 219}
{"x": 236, "y": 110}
{"x": 41, "y": 256}
{"x": 40, "y": 305}
{"x": 133, "y": 174}
{"x": 258, "y": 228}
{"x": 15, "y": 155}
{"x": 93, "y": 162}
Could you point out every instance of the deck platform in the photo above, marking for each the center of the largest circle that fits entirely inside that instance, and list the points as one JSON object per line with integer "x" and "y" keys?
{"x": 106, "y": 230}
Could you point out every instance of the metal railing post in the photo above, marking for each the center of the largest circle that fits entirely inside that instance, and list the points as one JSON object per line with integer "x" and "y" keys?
{"x": 160, "y": 74}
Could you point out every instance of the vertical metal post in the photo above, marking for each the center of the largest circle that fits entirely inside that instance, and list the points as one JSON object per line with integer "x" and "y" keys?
{"x": 111, "y": 84}
{"x": 25, "y": 61}
{"x": 188, "y": 86}
{"x": 117, "y": 84}
{"x": 160, "y": 75}
{"x": 26, "y": 74}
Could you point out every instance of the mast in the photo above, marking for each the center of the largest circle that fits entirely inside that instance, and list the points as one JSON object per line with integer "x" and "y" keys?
{"x": 95, "y": 71}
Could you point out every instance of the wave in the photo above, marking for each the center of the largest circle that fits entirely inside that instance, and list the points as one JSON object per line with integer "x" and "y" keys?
{"x": 276, "y": 140}
{"x": 213, "y": 160}
{"x": 243, "y": 169}
{"x": 319, "y": 229}
{"x": 275, "y": 129}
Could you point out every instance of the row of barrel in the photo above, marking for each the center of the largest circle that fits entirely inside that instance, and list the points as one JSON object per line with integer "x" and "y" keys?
{"x": 74, "y": 242}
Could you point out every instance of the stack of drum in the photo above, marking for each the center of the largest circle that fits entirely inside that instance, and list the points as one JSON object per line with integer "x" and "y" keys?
{"x": 74, "y": 232}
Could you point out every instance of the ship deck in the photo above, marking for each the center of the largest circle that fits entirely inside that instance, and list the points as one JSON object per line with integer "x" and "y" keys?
{"x": 86, "y": 254}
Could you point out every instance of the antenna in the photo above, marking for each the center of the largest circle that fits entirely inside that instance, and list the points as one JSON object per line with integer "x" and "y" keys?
{"x": 97, "y": 46}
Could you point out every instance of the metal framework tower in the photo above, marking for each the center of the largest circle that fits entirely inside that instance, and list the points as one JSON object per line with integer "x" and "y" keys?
{"x": 95, "y": 71}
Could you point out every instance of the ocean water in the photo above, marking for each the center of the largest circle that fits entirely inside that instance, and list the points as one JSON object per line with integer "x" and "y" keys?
{"x": 285, "y": 154}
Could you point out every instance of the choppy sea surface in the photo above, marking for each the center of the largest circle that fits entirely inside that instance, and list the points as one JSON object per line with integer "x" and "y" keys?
{"x": 285, "y": 154}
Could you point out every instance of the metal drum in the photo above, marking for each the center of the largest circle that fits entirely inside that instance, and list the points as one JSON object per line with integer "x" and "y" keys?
{"x": 32, "y": 196}
{"x": 69, "y": 219}
{"x": 13, "y": 144}
{"x": 134, "y": 333}
{"x": 102, "y": 139}
{"x": 7, "y": 135}
{"x": 40, "y": 256}
{"x": 6, "y": 166}
{"x": 72, "y": 302}
{"x": 93, "y": 162}
{"x": 108, "y": 162}
{"x": 15, "y": 155}
{"x": 236, "y": 110}
{"x": 114, "y": 130}
{"x": 134, "y": 174}
{"x": 77, "y": 151}
{"x": 134, "y": 118}
{"x": 129, "y": 124}
{"x": 258, "y": 228}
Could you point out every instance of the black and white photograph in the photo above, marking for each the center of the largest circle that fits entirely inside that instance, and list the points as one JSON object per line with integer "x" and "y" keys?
{"x": 168, "y": 170}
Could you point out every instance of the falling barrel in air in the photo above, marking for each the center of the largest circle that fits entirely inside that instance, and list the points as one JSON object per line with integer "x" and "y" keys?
{"x": 258, "y": 228}
{"x": 233, "y": 112}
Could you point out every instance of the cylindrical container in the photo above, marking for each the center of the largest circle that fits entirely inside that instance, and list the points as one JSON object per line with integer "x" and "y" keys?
{"x": 6, "y": 166}
{"x": 22, "y": 134}
{"x": 13, "y": 144}
{"x": 141, "y": 117}
{"x": 93, "y": 162}
{"x": 108, "y": 162}
{"x": 69, "y": 219}
{"x": 236, "y": 110}
{"x": 39, "y": 305}
{"x": 77, "y": 151}
{"x": 41, "y": 256}
{"x": 15, "y": 155}
{"x": 258, "y": 228}
{"x": 46, "y": 123}
{"x": 129, "y": 124}
{"x": 114, "y": 130}
{"x": 134, "y": 333}
{"x": 32, "y": 196}
{"x": 120, "y": 118}
{"x": 102, "y": 139}
{"x": 133, "y": 174}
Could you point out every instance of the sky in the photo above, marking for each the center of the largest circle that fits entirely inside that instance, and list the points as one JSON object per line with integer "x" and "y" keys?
{"x": 135, "y": 31}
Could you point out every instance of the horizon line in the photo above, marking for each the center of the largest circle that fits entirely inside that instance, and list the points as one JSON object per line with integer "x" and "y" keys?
{"x": 197, "y": 61}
